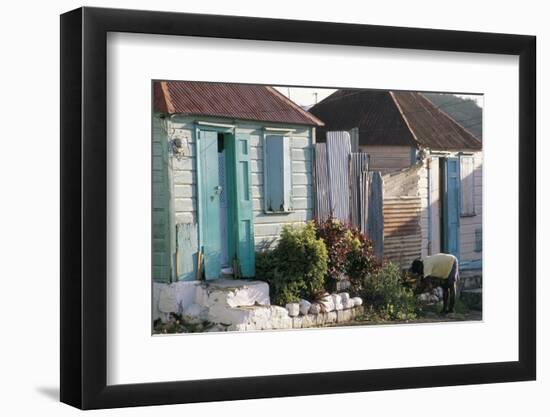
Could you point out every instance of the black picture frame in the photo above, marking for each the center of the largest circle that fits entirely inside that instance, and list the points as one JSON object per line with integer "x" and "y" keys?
{"x": 84, "y": 207}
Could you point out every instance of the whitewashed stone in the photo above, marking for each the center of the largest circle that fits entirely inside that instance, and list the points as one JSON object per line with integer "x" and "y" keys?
{"x": 357, "y": 301}
{"x": 344, "y": 296}
{"x": 168, "y": 302}
{"x": 337, "y": 300}
{"x": 428, "y": 297}
{"x": 193, "y": 312}
{"x": 315, "y": 309}
{"x": 308, "y": 321}
{"x": 304, "y": 307}
{"x": 332, "y": 317}
{"x": 297, "y": 322}
{"x": 233, "y": 293}
{"x": 344, "y": 316}
{"x": 293, "y": 309}
{"x": 280, "y": 318}
{"x": 347, "y": 304}
{"x": 327, "y": 303}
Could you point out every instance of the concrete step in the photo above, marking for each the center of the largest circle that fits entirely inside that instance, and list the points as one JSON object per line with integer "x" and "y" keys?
{"x": 231, "y": 293}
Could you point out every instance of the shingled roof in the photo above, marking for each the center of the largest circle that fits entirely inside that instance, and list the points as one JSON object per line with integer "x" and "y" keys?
{"x": 392, "y": 118}
{"x": 234, "y": 101}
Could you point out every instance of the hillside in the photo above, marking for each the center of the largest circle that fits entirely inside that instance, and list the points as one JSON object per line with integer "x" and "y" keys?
{"x": 464, "y": 111}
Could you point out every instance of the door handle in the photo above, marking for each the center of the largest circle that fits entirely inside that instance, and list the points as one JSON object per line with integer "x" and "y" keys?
{"x": 218, "y": 189}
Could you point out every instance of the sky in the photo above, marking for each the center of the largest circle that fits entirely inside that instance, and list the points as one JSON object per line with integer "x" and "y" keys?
{"x": 306, "y": 97}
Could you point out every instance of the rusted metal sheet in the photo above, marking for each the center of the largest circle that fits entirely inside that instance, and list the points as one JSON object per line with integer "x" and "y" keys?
{"x": 402, "y": 232}
{"x": 338, "y": 154}
{"x": 432, "y": 127}
{"x": 391, "y": 118}
{"x": 235, "y": 101}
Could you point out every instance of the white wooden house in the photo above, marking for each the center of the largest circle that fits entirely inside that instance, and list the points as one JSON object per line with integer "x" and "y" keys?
{"x": 432, "y": 170}
{"x": 232, "y": 164}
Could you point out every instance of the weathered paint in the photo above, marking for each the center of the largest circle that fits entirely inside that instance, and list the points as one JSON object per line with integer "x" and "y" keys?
{"x": 266, "y": 226}
{"x": 161, "y": 269}
{"x": 451, "y": 209}
{"x": 389, "y": 158}
{"x": 187, "y": 251}
{"x": 244, "y": 222}
{"x": 278, "y": 168}
{"x": 210, "y": 203}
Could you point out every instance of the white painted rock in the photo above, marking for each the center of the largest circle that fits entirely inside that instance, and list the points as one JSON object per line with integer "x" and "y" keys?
{"x": 293, "y": 309}
{"x": 192, "y": 312}
{"x": 304, "y": 307}
{"x": 344, "y": 296}
{"x": 424, "y": 297}
{"x": 327, "y": 303}
{"x": 337, "y": 300}
{"x": 357, "y": 301}
{"x": 349, "y": 303}
{"x": 315, "y": 309}
{"x": 168, "y": 302}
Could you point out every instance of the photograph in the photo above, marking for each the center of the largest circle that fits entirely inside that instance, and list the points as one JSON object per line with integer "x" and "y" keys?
{"x": 295, "y": 207}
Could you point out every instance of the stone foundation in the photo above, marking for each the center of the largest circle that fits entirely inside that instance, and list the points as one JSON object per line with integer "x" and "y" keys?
{"x": 245, "y": 305}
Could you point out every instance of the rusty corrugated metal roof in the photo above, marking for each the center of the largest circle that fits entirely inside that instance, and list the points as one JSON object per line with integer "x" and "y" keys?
{"x": 392, "y": 118}
{"x": 432, "y": 127}
{"x": 373, "y": 112}
{"x": 234, "y": 101}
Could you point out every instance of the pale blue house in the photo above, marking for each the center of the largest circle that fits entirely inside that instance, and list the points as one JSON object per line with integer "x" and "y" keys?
{"x": 232, "y": 164}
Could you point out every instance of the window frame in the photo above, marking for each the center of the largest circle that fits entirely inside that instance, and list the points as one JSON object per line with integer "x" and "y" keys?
{"x": 473, "y": 212}
{"x": 285, "y": 134}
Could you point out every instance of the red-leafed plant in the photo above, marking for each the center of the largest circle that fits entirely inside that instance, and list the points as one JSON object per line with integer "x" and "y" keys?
{"x": 350, "y": 254}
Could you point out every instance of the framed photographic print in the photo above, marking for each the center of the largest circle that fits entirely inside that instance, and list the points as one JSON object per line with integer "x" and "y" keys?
{"x": 256, "y": 208}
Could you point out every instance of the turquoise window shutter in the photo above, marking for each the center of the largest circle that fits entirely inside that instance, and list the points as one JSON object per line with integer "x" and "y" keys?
{"x": 244, "y": 213}
{"x": 277, "y": 174}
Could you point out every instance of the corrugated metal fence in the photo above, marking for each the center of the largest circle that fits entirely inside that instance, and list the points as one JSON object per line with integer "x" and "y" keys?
{"x": 338, "y": 154}
{"x": 346, "y": 190}
{"x": 402, "y": 236}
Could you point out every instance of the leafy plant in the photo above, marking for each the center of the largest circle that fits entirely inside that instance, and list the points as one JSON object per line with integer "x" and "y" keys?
{"x": 386, "y": 294}
{"x": 297, "y": 267}
{"x": 350, "y": 254}
{"x": 360, "y": 262}
{"x": 338, "y": 240}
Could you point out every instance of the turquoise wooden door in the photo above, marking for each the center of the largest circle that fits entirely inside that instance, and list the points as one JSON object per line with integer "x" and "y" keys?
{"x": 451, "y": 207}
{"x": 243, "y": 212}
{"x": 209, "y": 191}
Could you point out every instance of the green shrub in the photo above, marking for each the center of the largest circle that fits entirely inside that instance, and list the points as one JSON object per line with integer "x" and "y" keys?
{"x": 297, "y": 267}
{"x": 384, "y": 292}
{"x": 350, "y": 254}
{"x": 360, "y": 262}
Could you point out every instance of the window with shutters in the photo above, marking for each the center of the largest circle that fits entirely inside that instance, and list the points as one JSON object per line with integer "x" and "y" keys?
{"x": 277, "y": 173}
{"x": 467, "y": 186}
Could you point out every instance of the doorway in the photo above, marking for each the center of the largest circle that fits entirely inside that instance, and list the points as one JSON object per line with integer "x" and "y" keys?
{"x": 225, "y": 210}
{"x": 214, "y": 196}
